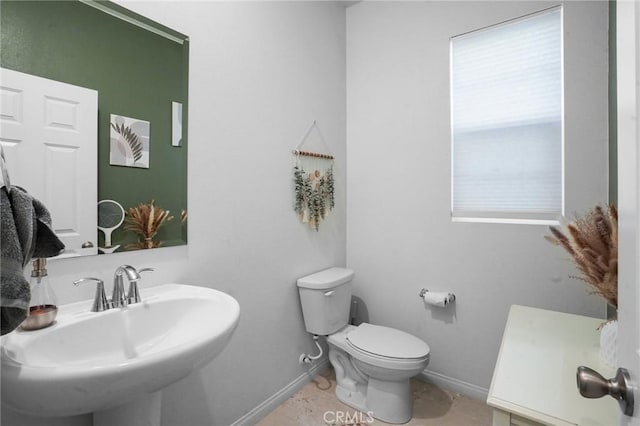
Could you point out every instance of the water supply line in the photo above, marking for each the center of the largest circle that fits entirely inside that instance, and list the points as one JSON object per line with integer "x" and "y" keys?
{"x": 308, "y": 358}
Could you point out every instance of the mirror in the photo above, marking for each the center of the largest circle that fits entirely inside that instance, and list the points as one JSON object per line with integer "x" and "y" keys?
{"x": 139, "y": 70}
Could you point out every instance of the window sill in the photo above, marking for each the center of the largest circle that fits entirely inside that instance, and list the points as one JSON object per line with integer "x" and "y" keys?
{"x": 545, "y": 222}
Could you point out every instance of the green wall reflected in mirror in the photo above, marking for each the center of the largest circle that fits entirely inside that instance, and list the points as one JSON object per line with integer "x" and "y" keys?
{"x": 138, "y": 67}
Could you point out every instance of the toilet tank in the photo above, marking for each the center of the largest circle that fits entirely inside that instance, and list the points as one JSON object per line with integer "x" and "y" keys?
{"x": 326, "y": 299}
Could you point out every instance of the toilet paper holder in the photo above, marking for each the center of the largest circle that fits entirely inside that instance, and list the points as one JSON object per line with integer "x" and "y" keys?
{"x": 425, "y": 291}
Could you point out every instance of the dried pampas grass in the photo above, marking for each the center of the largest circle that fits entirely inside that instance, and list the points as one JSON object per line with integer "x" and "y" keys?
{"x": 592, "y": 242}
{"x": 146, "y": 220}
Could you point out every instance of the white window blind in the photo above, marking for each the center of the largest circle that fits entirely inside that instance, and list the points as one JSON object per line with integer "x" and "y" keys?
{"x": 506, "y": 115}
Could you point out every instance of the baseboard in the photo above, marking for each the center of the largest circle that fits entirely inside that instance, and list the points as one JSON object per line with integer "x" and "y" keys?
{"x": 271, "y": 403}
{"x": 454, "y": 385}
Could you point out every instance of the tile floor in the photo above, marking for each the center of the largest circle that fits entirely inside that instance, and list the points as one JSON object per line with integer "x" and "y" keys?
{"x": 432, "y": 406}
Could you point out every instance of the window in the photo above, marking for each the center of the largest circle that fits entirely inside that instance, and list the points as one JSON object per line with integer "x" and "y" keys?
{"x": 506, "y": 116}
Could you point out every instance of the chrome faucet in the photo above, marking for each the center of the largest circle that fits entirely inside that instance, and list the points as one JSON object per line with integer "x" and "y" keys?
{"x": 100, "y": 302}
{"x": 119, "y": 298}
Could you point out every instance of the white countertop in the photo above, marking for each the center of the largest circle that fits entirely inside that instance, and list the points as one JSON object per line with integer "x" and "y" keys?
{"x": 535, "y": 374}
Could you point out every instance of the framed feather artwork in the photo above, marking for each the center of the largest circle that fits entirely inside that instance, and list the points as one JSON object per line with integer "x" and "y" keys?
{"x": 129, "y": 145}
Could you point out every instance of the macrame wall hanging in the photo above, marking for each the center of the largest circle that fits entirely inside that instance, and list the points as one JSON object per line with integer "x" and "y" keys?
{"x": 313, "y": 182}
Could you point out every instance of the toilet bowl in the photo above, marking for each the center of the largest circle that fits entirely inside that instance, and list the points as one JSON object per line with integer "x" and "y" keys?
{"x": 373, "y": 364}
{"x": 373, "y": 377}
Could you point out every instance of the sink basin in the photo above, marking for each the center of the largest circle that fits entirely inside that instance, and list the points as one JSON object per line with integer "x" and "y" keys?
{"x": 91, "y": 361}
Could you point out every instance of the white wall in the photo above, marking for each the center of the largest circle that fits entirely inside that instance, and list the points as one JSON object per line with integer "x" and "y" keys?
{"x": 260, "y": 73}
{"x": 399, "y": 233}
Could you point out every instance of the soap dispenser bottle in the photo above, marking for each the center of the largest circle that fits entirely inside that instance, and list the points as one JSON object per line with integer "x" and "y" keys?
{"x": 44, "y": 305}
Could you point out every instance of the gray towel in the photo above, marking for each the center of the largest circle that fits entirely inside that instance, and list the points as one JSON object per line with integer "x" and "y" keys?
{"x": 25, "y": 231}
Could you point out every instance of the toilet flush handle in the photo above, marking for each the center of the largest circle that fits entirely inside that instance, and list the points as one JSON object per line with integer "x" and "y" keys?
{"x": 329, "y": 293}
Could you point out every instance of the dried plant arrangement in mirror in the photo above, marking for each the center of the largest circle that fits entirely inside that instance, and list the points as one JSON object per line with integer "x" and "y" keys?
{"x": 146, "y": 220}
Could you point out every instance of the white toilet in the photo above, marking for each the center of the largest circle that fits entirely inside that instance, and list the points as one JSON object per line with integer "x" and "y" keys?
{"x": 373, "y": 364}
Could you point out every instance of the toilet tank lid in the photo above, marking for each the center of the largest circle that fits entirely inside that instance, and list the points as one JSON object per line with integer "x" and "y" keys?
{"x": 329, "y": 278}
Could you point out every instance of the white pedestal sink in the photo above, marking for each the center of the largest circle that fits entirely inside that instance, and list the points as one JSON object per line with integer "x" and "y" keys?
{"x": 93, "y": 362}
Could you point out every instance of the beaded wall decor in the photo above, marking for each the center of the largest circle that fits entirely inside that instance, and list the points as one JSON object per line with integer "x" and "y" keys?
{"x": 314, "y": 184}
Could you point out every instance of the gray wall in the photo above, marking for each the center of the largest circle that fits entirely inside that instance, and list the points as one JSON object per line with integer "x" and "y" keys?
{"x": 260, "y": 74}
{"x": 399, "y": 233}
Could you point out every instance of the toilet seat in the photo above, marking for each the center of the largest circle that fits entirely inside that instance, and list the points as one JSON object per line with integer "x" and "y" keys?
{"x": 386, "y": 342}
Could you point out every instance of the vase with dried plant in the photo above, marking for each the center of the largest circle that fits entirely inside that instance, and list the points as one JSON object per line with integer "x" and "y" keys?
{"x": 146, "y": 220}
{"x": 592, "y": 242}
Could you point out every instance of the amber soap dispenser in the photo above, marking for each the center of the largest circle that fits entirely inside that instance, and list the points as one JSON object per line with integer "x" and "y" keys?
{"x": 44, "y": 305}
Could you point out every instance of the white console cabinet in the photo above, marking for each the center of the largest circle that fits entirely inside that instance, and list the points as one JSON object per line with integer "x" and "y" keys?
{"x": 534, "y": 381}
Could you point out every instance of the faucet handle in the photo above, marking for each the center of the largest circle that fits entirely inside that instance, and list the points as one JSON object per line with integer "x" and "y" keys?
{"x": 100, "y": 302}
{"x": 134, "y": 292}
